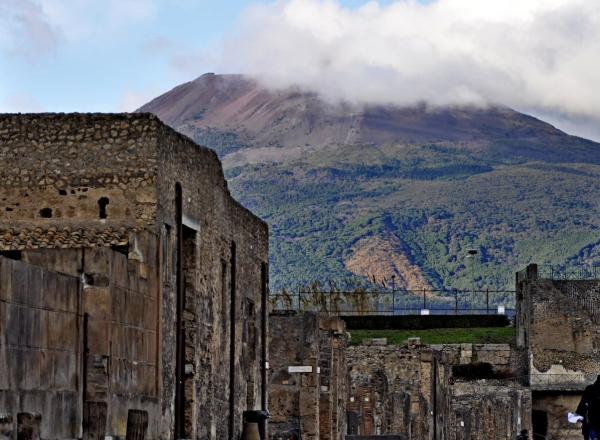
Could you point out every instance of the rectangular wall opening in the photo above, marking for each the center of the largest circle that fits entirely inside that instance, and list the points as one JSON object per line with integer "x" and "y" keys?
{"x": 190, "y": 324}
{"x": 232, "y": 337}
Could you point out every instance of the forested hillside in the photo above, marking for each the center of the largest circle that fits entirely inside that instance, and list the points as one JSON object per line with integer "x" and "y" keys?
{"x": 375, "y": 192}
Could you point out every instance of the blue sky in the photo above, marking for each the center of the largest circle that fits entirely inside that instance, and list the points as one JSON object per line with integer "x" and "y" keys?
{"x": 110, "y": 61}
{"x": 60, "y": 57}
{"x": 537, "y": 56}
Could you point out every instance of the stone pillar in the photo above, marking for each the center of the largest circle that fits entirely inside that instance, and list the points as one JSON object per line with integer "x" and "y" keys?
{"x": 309, "y": 403}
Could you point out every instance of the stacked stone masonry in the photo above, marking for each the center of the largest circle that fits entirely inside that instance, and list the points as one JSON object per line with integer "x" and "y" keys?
{"x": 93, "y": 288}
{"x": 412, "y": 392}
{"x": 558, "y": 325}
{"x": 309, "y": 404}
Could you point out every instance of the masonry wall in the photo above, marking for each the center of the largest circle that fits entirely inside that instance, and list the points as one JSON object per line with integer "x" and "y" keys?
{"x": 559, "y": 328}
{"x": 390, "y": 391}
{"x": 411, "y": 391}
{"x": 119, "y": 300}
{"x": 548, "y": 414}
{"x": 56, "y": 168}
{"x": 218, "y": 224}
{"x": 102, "y": 188}
{"x": 494, "y": 410}
{"x": 558, "y": 325}
{"x": 307, "y": 405}
{"x": 40, "y": 350}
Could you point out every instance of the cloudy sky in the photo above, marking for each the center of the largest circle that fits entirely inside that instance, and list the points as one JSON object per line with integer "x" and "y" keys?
{"x": 538, "y": 56}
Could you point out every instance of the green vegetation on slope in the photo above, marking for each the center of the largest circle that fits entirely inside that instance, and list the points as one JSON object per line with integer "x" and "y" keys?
{"x": 478, "y": 335}
{"x": 439, "y": 200}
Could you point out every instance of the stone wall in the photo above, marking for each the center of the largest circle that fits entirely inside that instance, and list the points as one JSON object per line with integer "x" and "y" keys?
{"x": 114, "y": 322}
{"x": 104, "y": 186}
{"x": 231, "y": 252}
{"x": 494, "y": 410}
{"x": 311, "y": 404}
{"x": 390, "y": 391}
{"x": 549, "y": 411}
{"x": 40, "y": 349}
{"x": 411, "y": 391}
{"x": 57, "y": 171}
{"x": 558, "y": 324}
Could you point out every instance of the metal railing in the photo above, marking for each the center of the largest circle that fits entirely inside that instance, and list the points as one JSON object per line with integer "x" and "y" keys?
{"x": 563, "y": 272}
{"x": 397, "y": 302}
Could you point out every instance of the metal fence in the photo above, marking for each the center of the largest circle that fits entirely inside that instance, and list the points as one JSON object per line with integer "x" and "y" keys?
{"x": 561, "y": 272}
{"x": 398, "y": 302}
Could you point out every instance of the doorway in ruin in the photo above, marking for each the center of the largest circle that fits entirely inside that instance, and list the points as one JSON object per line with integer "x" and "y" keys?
{"x": 186, "y": 323}
{"x": 539, "y": 421}
{"x": 190, "y": 325}
{"x": 249, "y": 346}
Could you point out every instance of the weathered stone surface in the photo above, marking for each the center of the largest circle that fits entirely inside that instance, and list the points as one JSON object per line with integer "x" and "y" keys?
{"x": 384, "y": 396}
{"x": 411, "y": 392}
{"x": 558, "y": 324}
{"x": 494, "y": 410}
{"x": 311, "y": 404}
{"x": 92, "y": 197}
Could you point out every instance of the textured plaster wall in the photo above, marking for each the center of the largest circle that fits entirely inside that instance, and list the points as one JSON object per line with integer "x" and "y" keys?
{"x": 40, "y": 349}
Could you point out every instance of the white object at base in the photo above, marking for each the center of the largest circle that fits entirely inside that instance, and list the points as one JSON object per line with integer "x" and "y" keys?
{"x": 574, "y": 418}
{"x": 424, "y": 311}
{"x": 501, "y": 310}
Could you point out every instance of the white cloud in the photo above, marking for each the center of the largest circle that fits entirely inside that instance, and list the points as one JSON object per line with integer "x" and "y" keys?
{"x": 26, "y": 29}
{"x": 31, "y": 28}
{"x": 98, "y": 19}
{"x": 528, "y": 54}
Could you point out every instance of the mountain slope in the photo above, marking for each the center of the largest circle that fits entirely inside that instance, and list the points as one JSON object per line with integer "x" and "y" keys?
{"x": 384, "y": 191}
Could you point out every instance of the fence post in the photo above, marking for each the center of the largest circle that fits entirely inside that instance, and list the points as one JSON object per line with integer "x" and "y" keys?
{"x": 455, "y": 302}
{"x": 487, "y": 301}
{"x": 393, "y": 294}
{"x": 424, "y": 300}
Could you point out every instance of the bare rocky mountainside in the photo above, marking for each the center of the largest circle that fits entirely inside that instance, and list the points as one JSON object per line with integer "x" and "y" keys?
{"x": 378, "y": 191}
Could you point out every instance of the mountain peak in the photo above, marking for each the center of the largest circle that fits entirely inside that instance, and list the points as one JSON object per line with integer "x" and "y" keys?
{"x": 376, "y": 192}
{"x": 292, "y": 117}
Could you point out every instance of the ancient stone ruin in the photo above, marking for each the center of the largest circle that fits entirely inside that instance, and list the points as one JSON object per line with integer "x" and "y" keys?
{"x": 133, "y": 288}
{"x": 447, "y": 391}
{"x": 134, "y": 304}
{"x": 558, "y": 325}
{"x": 307, "y": 389}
